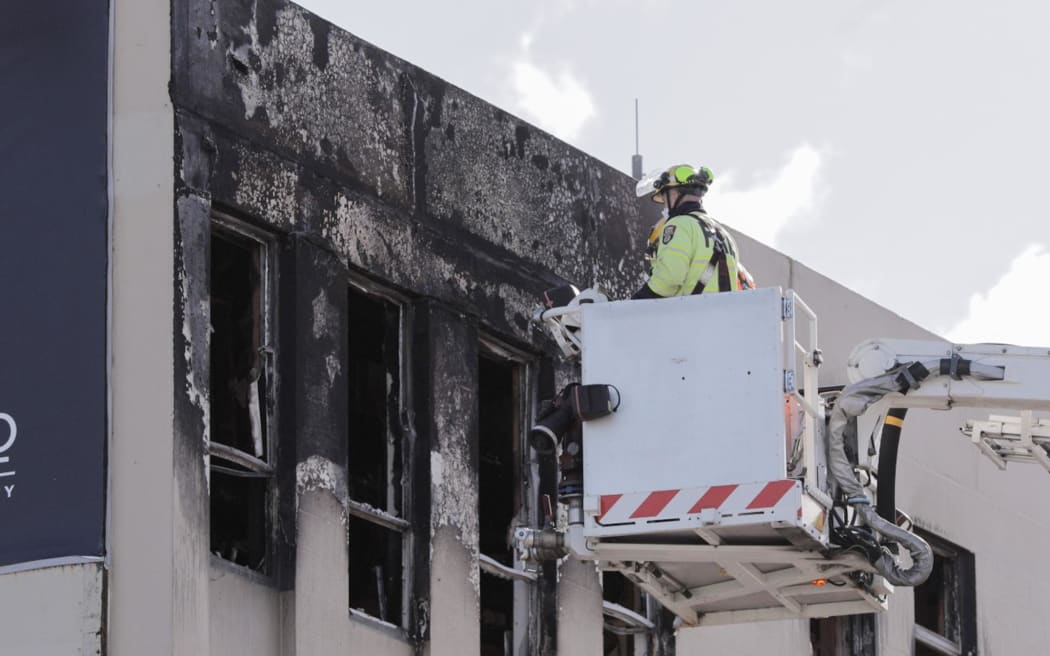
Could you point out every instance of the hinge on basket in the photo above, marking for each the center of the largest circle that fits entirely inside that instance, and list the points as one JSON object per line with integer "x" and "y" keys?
{"x": 789, "y": 381}
{"x": 787, "y": 308}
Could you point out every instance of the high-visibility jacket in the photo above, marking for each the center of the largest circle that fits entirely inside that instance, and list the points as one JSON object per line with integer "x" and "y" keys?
{"x": 687, "y": 246}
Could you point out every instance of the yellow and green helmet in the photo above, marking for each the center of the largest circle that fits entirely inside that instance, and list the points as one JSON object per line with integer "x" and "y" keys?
{"x": 679, "y": 175}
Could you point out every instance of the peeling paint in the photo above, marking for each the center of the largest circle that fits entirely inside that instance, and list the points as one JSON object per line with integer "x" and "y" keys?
{"x": 267, "y": 187}
{"x": 317, "y": 474}
{"x": 197, "y": 396}
{"x": 251, "y": 94}
{"x": 454, "y": 480}
{"x": 455, "y": 496}
{"x": 241, "y": 57}
{"x": 305, "y": 98}
{"x": 343, "y": 227}
{"x": 423, "y": 613}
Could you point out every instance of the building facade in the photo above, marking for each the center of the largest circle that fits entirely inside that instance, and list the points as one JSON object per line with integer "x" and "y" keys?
{"x": 323, "y": 264}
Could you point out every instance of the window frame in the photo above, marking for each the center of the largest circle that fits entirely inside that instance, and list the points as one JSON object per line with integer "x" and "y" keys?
{"x": 404, "y": 431}
{"x": 963, "y": 598}
{"x": 526, "y": 592}
{"x": 264, "y": 247}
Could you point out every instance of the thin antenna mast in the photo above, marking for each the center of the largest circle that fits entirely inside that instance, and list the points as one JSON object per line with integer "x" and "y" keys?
{"x": 636, "y": 159}
{"x": 636, "y": 126}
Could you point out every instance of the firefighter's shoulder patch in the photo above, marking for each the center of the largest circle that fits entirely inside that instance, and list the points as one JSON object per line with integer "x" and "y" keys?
{"x": 668, "y": 234}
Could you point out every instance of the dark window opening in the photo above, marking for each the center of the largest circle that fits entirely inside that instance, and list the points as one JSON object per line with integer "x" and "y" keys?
{"x": 933, "y": 608}
{"x": 499, "y": 430}
{"x": 375, "y": 570}
{"x": 846, "y": 635}
{"x": 377, "y": 528}
{"x": 824, "y": 636}
{"x": 619, "y": 637}
{"x": 945, "y": 605}
{"x": 240, "y": 471}
{"x": 236, "y": 341}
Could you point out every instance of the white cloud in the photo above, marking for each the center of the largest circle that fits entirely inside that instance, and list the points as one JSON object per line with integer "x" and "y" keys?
{"x": 1010, "y": 312}
{"x": 558, "y": 103}
{"x": 762, "y": 210}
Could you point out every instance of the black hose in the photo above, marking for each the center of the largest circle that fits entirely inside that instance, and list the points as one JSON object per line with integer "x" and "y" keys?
{"x": 888, "y": 444}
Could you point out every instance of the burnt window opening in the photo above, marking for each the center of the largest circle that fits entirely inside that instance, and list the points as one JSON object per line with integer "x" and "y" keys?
{"x": 845, "y": 635}
{"x": 379, "y": 532}
{"x": 945, "y": 605}
{"x": 626, "y": 629}
{"x": 504, "y": 589}
{"x": 241, "y": 392}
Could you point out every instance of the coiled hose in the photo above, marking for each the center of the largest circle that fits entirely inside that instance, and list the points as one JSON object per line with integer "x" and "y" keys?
{"x": 851, "y": 403}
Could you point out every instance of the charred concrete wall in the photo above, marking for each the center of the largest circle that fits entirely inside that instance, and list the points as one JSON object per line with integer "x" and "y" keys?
{"x": 363, "y": 167}
{"x": 321, "y": 135}
{"x": 359, "y": 163}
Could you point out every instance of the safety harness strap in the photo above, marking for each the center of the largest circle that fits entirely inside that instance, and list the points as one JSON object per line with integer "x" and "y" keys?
{"x": 718, "y": 261}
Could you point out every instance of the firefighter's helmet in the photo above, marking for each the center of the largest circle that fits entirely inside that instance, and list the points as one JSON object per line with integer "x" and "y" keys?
{"x": 695, "y": 179}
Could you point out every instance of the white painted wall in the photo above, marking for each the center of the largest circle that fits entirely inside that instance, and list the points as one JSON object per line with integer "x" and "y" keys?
{"x": 579, "y": 609}
{"x": 142, "y": 536}
{"x": 51, "y": 611}
{"x": 246, "y": 617}
{"x": 772, "y": 638}
{"x": 1001, "y": 516}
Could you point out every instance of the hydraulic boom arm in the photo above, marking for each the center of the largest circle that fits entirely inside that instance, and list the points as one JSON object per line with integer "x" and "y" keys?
{"x": 974, "y": 375}
{"x": 937, "y": 374}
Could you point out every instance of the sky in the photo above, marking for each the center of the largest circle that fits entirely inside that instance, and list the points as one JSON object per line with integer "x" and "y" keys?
{"x": 900, "y": 148}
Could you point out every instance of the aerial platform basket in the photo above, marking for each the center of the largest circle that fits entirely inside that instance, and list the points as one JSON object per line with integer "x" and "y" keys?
{"x": 686, "y": 488}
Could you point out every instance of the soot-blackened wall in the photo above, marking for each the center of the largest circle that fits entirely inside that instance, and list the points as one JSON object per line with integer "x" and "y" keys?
{"x": 359, "y": 163}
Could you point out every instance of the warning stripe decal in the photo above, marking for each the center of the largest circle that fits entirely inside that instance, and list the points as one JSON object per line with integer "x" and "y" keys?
{"x": 713, "y": 498}
{"x": 607, "y": 502}
{"x": 771, "y": 494}
{"x": 654, "y": 503}
{"x": 663, "y": 505}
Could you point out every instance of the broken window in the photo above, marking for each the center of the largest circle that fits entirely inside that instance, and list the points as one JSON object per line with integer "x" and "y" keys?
{"x": 945, "y": 605}
{"x": 506, "y": 591}
{"x": 379, "y": 532}
{"x": 627, "y": 627}
{"x": 241, "y": 392}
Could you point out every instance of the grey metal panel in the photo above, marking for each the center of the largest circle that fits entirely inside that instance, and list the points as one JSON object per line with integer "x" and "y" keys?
{"x": 701, "y": 379}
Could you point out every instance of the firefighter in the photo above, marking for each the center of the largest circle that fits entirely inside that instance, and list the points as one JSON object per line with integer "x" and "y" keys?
{"x": 693, "y": 253}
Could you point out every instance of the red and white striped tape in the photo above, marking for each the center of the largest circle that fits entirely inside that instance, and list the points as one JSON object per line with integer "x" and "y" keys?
{"x": 671, "y": 504}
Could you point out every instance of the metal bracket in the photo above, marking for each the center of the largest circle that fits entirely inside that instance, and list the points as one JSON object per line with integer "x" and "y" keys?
{"x": 789, "y": 381}
{"x": 1012, "y": 439}
{"x": 787, "y": 309}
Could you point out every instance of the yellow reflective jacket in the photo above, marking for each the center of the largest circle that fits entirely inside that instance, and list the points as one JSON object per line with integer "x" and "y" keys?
{"x": 685, "y": 249}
